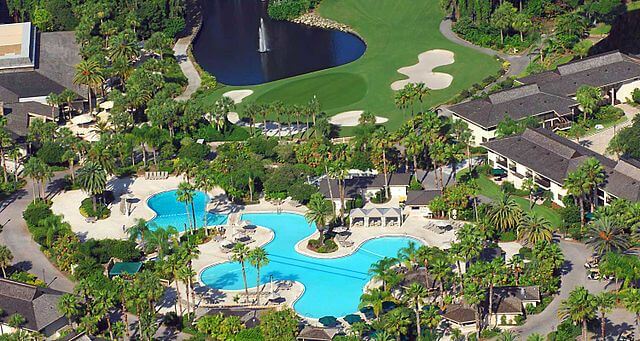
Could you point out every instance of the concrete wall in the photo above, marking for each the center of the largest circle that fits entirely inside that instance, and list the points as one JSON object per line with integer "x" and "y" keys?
{"x": 624, "y": 93}
{"x": 480, "y": 135}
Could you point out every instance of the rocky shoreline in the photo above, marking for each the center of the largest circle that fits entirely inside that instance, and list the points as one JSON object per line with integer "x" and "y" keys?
{"x": 315, "y": 20}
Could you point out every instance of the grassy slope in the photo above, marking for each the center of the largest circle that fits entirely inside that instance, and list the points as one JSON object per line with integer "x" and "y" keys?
{"x": 491, "y": 190}
{"x": 396, "y": 31}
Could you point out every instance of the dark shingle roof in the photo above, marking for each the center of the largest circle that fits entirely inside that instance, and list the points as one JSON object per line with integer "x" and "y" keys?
{"x": 508, "y": 300}
{"x": 354, "y": 186}
{"x": 58, "y": 56}
{"x": 17, "y": 116}
{"x": 599, "y": 70}
{"x": 37, "y": 305}
{"x": 421, "y": 198}
{"x": 517, "y": 103}
{"x": 28, "y": 84}
{"x": 315, "y": 333}
{"x": 459, "y": 314}
{"x": 555, "y": 157}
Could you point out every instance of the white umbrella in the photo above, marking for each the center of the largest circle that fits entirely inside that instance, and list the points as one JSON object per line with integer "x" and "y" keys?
{"x": 106, "y": 105}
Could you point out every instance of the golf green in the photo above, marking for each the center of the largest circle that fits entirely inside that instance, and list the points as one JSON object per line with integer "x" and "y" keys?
{"x": 396, "y": 32}
{"x": 333, "y": 90}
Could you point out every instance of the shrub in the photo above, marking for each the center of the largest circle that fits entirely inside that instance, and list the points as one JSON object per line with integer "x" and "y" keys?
{"x": 379, "y": 198}
{"x": 525, "y": 253}
{"x": 357, "y": 202}
{"x": 288, "y": 9}
{"x": 415, "y": 185}
{"x": 302, "y": 192}
{"x": 507, "y": 236}
{"x": 635, "y": 95}
{"x": 51, "y": 153}
{"x": 101, "y": 212}
{"x": 318, "y": 246}
{"x": 36, "y": 212}
{"x": 25, "y": 277}
{"x": 566, "y": 331}
{"x": 609, "y": 113}
{"x": 233, "y": 133}
{"x": 193, "y": 151}
{"x": 103, "y": 250}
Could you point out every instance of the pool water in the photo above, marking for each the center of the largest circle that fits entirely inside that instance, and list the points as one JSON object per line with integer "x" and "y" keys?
{"x": 170, "y": 212}
{"x": 332, "y": 286}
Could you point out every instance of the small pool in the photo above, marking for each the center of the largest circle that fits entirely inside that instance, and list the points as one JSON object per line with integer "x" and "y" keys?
{"x": 332, "y": 286}
{"x": 170, "y": 212}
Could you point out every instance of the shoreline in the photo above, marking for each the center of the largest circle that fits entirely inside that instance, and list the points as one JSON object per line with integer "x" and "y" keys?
{"x": 314, "y": 19}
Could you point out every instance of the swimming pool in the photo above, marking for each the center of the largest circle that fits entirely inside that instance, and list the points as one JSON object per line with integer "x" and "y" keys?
{"x": 332, "y": 286}
{"x": 170, "y": 212}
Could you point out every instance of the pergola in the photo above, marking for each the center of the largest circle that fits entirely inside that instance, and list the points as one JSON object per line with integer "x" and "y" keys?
{"x": 384, "y": 215}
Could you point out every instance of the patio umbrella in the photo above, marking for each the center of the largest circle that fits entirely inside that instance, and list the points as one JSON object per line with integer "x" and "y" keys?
{"x": 353, "y": 318}
{"x": 328, "y": 321}
{"x": 388, "y": 305}
{"x": 82, "y": 119}
{"x": 368, "y": 312}
{"x": 106, "y": 105}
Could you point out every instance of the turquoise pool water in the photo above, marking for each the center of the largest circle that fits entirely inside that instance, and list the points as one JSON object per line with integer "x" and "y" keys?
{"x": 332, "y": 286}
{"x": 171, "y": 212}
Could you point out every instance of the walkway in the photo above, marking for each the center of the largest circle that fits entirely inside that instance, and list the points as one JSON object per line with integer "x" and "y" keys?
{"x": 188, "y": 68}
{"x": 518, "y": 62}
{"x": 26, "y": 252}
{"x": 599, "y": 141}
{"x": 574, "y": 275}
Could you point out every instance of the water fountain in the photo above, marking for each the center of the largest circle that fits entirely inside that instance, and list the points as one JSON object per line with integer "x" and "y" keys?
{"x": 262, "y": 38}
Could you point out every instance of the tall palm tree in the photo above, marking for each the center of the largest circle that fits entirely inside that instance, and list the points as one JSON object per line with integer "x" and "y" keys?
{"x": 398, "y": 321}
{"x": 474, "y": 295}
{"x": 441, "y": 271}
{"x": 139, "y": 230}
{"x": 6, "y": 257}
{"x": 595, "y": 176}
{"x": 631, "y": 301}
{"x": 35, "y": 169}
{"x": 375, "y": 298}
{"x": 605, "y": 301}
{"x": 415, "y": 295}
{"x": 69, "y": 306}
{"x": 318, "y": 211}
{"x": 577, "y": 186}
{"x": 90, "y": 74}
{"x": 185, "y": 194}
{"x": 605, "y": 236}
{"x": 534, "y": 228}
{"x": 258, "y": 258}
{"x": 240, "y": 254}
{"x": 381, "y": 143}
{"x": 579, "y": 307}
{"x": 92, "y": 179}
{"x": 382, "y": 271}
{"x": 505, "y": 213}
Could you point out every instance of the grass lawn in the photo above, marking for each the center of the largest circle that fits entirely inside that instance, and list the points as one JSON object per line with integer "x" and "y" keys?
{"x": 395, "y": 31}
{"x": 633, "y": 6}
{"x": 492, "y": 190}
{"x": 600, "y": 29}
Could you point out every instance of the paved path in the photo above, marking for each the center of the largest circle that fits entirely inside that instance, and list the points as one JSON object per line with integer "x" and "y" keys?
{"x": 574, "y": 275}
{"x": 187, "y": 67}
{"x": 26, "y": 252}
{"x": 518, "y": 62}
{"x": 599, "y": 141}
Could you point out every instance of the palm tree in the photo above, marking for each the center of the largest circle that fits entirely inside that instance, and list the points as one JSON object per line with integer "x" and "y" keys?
{"x": 375, "y": 298}
{"x": 605, "y": 236}
{"x": 536, "y": 337}
{"x": 89, "y": 73}
{"x": 589, "y": 98}
{"x": 240, "y": 254}
{"x": 577, "y": 186}
{"x": 441, "y": 271}
{"x": 516, "y": 264}
{"x": 16, "y": 320}
{"x": 474, "y": 295}
{"x": 505, "y": 213}
{"x": 258, "y": 258}
{"x": 631, "y": 301}
{"x": 381, "y": 143}
{"x": 579, "y": 307}
{"x": 318, "y": 211}
{"x": 383, "y": 336}
{"x": 415, "y": 295}
{"x": 595, "y": 176}
{"x": 398, "y": 321}
{"x": 382, "y": 271}
{"x": 92, "y": 179}
{"x": 535, "y": 228}
{"x": 185, "y": 194}
{"x": 605, "y": 301}
{"x": 6, "y": 257}
{"x": 69, "y": 306}
{"x": 138, "y": 230}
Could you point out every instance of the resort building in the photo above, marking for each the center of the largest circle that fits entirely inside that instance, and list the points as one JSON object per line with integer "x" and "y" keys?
{"x": 549, "y": 97}
{"x": 460, "y": 316}
{"x": 366, "y": 187}
{"x": 32, "y": 66}
{"x": 547, "y": 159}
{"x": 309, "y": 333}
{"x": 511, "y": 302}
{"x": 38, "y": 306}
{"x": 417, "y": 202}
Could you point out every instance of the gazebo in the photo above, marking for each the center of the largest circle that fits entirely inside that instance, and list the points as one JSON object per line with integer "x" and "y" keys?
{"x": 387, "y": 216}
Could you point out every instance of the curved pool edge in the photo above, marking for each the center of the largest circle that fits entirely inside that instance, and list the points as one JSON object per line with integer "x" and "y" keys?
{"x": 155, "y": 213}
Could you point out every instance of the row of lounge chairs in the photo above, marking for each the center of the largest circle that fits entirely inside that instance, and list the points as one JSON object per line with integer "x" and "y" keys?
{"x": 156, "y": 175}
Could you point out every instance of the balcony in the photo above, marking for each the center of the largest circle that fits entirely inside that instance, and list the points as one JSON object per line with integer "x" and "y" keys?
{"x": 502, "y": 162}
{"x": 543, "y": 182}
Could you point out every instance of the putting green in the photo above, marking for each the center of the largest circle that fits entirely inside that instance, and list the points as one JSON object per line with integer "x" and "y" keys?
{"x": 333, "y": 90}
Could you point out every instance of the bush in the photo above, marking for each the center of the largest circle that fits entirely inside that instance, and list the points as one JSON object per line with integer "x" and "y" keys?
{"x": 415, "y": 185}
{"x": 635, "y": 95}
{"x": 567, "y": 331}
{"x": 251, "y": 334}
{"x": 302, "y": 192}
{"x": 105, "y": 249}
{"x": 25, "y": 277}
{"x": 355, "y": 203}
{"x": 51, "y": 153}
{"x": 36, "y": 212}
{"x": 193, "y": 151}
{"x": 233, "y": 133}
{"x": 525, "y": 253}
{"x": 288, "y": 9}
{"x": 609, "y": 113}
{"x": 508, "y": 187}
{"x": 327, "y": 247}
{"x": 379, "y": 198}
{"x": 101, "y": 212}
{"x": 507, "y": 236}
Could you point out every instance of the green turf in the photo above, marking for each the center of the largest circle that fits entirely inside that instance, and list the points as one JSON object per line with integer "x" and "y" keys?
{"x": 633, "y": 6}
{"x": 333, "y": 90}
{"x": 492, "y": 190}
{"x": 395, "y": 31}
{"x": 600, "y": 29}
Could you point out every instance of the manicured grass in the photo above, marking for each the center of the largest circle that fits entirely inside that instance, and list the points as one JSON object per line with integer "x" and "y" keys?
{"x": 395, "y": 31}
{"x": 633, "y": 6}
{"x": 333, "y": 90}
{"x": 492, "y": 190}
{"x": 600, "y": 29}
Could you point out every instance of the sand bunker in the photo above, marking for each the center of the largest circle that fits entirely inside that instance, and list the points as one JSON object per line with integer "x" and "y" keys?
{"x": 422, "y": 72}
{"x": 350, "y": 119}
{"x": 238, "y": 95}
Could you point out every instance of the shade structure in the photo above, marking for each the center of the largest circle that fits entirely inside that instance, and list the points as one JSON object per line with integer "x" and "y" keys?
{"x": 353, "y": 318}
{"x": 82, "y": 119}
{"x": 498, "y": 172}
{"x": 368, "y": 312}
{"x": 106, "y": 105}
{"x": 328, "y": 321}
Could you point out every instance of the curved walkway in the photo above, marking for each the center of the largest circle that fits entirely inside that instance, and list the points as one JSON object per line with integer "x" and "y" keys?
{"x": 188, "y": 68}
{"x": 26, "y": 252}
{"x": 575, "y": 275}
{"x": 518, "y": 62}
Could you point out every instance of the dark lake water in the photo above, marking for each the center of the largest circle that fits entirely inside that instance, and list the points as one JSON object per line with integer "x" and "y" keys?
{"x": 227, "y": 45}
